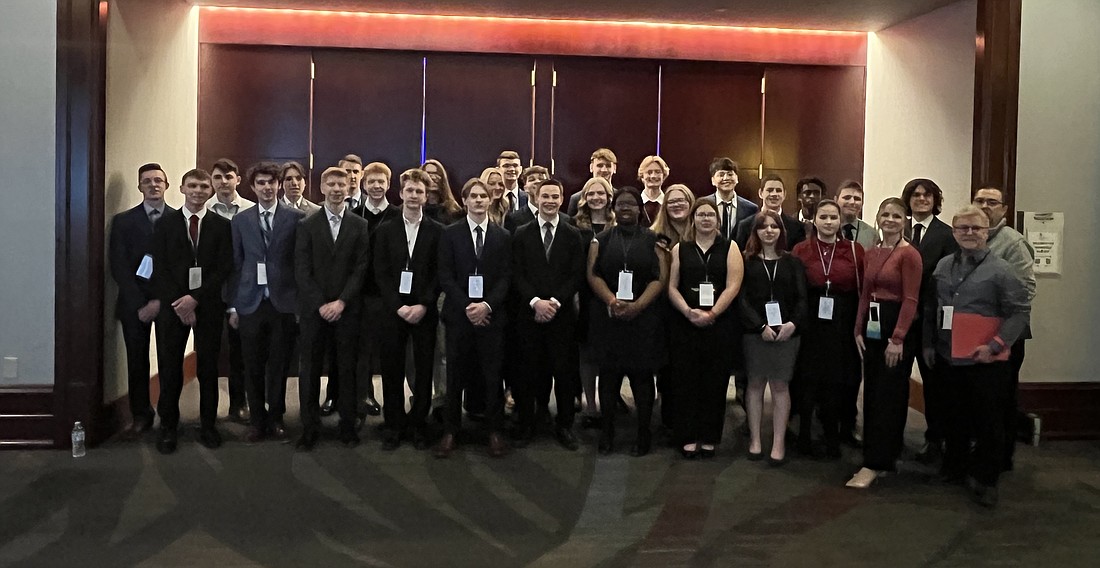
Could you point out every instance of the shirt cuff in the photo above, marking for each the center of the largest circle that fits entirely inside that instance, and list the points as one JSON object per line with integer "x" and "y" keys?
{"x": 488, "y": 306}
{"x": 231, "y": 311}
{"x": 532, "y": 302}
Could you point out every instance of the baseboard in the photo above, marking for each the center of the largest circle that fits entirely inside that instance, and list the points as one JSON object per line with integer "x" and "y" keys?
{"x": 1069, "y": 411}
{"x": 26, "y": 417}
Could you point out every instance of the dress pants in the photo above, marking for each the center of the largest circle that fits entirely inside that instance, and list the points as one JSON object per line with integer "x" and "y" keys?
{"x": 885, "y": 407}
{"x": 395, "y": 334}
{"x": 238, "y": 396}
{"x": 171, "y": 342}
{"x": 474, "y": 357}
{"x": 553, "y": 364}
{"x": 1011, "y": 402}
{"x": 135, "y": 334}
{"x": 935, "y": 392}
{"x": 698, "y": 384}
{"x": 267, "y": 338}
{"x": 317, "y": 338}
{"x": 978, "y": 395}
{"x": 643, "y": 388}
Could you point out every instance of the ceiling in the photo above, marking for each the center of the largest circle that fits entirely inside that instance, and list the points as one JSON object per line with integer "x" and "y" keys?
{"x": 840, "y": 15}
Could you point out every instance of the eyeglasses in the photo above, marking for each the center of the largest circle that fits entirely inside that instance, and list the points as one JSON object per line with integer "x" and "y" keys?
{"x": 680, "y": 201}
{"x": 964, "y": 229}
{"x": 706, "y": 215}
{"x": 987, "y": 201}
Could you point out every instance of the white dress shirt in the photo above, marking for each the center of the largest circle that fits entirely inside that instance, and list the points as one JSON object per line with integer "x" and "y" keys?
{"x": 330, "y": 215}
{"x": 236, "y": 205}
{"x": 412, "y": 228}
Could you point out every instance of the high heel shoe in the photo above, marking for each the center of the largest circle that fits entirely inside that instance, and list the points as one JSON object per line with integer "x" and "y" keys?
{"x": 755, "y": 456}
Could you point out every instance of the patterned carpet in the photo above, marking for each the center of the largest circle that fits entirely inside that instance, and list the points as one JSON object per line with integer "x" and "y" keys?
{"x": 125, "y": 505}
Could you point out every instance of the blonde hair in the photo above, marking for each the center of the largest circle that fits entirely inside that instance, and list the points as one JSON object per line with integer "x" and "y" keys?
{"x": 652, "y": 160}
{"x": 583, "y": 218}
{"x": 663, "y": 224}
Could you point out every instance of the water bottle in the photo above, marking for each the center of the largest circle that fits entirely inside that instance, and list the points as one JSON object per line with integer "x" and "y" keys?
{"x": 78, "y": 440}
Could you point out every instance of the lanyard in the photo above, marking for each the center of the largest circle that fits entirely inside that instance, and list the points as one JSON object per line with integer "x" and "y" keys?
{"x": 771, "y": 276}
{"x": 626, "y": 249}
{"x": 705, "y": 259}
{"x": 826, "y": 270}
{"x": 874, "y": 282}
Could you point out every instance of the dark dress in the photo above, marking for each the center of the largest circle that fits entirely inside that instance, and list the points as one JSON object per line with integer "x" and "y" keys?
{"x": 701, "y": 357}
{"x": 772, "y": 361}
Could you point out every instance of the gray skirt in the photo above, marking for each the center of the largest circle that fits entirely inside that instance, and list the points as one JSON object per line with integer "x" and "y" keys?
{"x": 770, "y": 361}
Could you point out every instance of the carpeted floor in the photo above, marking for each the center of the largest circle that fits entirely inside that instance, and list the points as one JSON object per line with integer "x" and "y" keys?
{"x": 266, "y": 505}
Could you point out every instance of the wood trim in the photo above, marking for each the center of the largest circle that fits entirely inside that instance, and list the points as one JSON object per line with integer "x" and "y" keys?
{"x": 534, "y": 36}
{"x": 997, "y": 97}
{"x": 26, "y": 417}
{"x": 1069, "y": 411}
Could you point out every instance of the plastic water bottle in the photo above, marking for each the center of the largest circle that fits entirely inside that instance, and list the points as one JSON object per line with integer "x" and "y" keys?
{"x": 78, "y": 440}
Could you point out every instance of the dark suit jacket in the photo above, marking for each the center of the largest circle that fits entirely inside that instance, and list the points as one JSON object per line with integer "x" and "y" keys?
{"x": 457, "y": 262}
{"x": 391, "y": 211}
{"x": 936, "y": 243}
{"x": 523, "y": 199}
{"x": 560, "y": 276}
{"x": 391, "y": 253}
{"x": 173, "y": 258}
{"x": 794, "y": 230}
{"x": 327, "y": 271}
{"x": 745, "y": 210}
{"x": 131, "y": 240}
{"x": 517, "y": 219}
{"x": 248, "y": 249}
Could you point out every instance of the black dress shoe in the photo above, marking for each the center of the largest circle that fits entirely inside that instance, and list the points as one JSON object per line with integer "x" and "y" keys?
{"x": 254, "y": 435}
{"x": 931, "y": 453}
{"x": 643, "y": 445}
{"x": 279, "y": 433}
{"x": 607, "y": 444}
{"x": 372, "y": 407}
{"x": 239, "y": 413}
{"x": 308, "y": 440}
{"x": 210, "y": 438}
{"x": 141, "y": 425}
{"x": 420, "y": 439}
{"x": 328, "y": 407}
{"x": 566, "y": 438}
{"x": 445, "y": 447}
{"x": 167, "y": 441}
{"x": 349, "y": 438}
{"x": 391, "y": 441}
{"x": 590, "y": 422}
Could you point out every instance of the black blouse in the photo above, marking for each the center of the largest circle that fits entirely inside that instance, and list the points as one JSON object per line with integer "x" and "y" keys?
{"x": 757, "y": 289}
{"x": 697, "y": 266}
{"x": 627, "y": 248}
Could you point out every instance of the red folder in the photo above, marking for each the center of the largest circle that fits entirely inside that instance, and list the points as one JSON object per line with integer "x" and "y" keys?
{"x": 970, "y": 331}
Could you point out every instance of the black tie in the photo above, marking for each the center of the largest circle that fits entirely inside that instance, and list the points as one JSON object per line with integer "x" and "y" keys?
{"x": 727, "y": 223}
{"x": 154, "y": 215}
{"x": 479, "y": 243}
{"x": 850, "y": 232}
{"x": 918, "y": 231}
{"x": 548, "y": 238}
{"x": 265, "y": 227}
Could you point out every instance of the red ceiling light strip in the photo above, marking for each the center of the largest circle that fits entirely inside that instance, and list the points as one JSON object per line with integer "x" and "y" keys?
{"x": 494, "y": 34}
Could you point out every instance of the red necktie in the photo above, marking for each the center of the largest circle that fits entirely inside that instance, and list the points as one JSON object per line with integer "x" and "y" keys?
{"x": 193, "y": 229}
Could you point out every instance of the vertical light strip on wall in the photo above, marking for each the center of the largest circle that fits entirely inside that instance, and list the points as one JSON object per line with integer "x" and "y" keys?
{"x": 660, "y": 89}
{"x": 534, "y": 68}
{"x": 553, "y": 104}
{"x": 424, "y": 110}
{"x": 312, "y": 78}
{"x": 763, "y": 109}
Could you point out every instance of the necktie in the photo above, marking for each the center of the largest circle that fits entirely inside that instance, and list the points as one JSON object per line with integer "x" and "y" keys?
{"x": 479, "y": 243}
{"x": 154, "y": 216}
{"x": 727, "y": 208}
{"x": 548, "y": 238}
{"x": 193, "y": 230}
{"x": 335, "y": 220}
{"x": 265, "y": 227}
{"x": 850, "y": 232}
{"x": 918, "y": 232}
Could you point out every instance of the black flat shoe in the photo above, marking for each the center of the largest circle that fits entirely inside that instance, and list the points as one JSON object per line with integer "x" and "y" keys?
{"x": 777, "y": 462}
{"x": 566, "y": 439}
{"x": 210, "y": 438}
{"x": 307, "y": 441}
{"x": 372, "y": 407}
{"x": 755, "y": 456}
{"x": 690, "y": 454}
{"x": 167, "y": 441}
{"x": 328, "y": 407}
{"x": 590, "y": 422}
{"x": 707, "y": 453}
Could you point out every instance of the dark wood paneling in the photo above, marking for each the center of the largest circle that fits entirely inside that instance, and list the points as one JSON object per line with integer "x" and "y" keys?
{"x": 253, "y": 105}
{"x": 367, "y": 103}
{"x": 476, "y": 106}
{"x": 814, "y": 124}
{"x": 1068, "y": 410}
{"x": 710, "y": 110}
{"x": 997, "y": 97}
{"x": 29, "y": 399}
{"x": 603, "y": 103}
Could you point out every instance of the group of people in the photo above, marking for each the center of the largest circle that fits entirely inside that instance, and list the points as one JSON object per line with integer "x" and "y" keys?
{"x": 539, "y": 295}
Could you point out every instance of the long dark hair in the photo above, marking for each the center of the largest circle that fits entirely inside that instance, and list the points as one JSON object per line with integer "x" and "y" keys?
{"x": 754, "y": 247}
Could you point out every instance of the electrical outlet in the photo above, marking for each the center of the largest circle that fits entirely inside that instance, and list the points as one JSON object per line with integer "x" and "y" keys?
{"x": 10, "y": 368}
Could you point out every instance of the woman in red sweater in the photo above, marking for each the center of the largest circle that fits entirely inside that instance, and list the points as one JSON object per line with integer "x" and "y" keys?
{"x": 887, "y": 306}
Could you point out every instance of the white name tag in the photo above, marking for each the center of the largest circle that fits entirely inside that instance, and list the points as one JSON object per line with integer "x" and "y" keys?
{"x": 775, "y": 316}
{"x": 825, "y": 308}
{"x": 145, "y": 269}
{"x": 476, "y": 288}
{"x": 261, "y": 274}
{"x": 406, "y": 285}
{"x": 948, "y": 315}
{"x": 194, "y": 278}
{"x": 874, "y": 326}
{"x": 706, "y": 295}
{"x": 626, "y": 286}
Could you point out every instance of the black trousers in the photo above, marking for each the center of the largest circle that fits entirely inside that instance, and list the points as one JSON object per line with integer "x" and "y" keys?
{"x": 1012, "y": 401}
{"x": 474, "y": 356}
{"x": 553, "y": 363}
{"x": 367, "y": 360}
{"x": 395, "y": 334}
{"x": 237, "y": 383}
{"x": 935, "y": 389}
{"x": 171, "y": 343}
{"x": 885, "y": 407}
{"x": 135, "y": 334}
{"x": 643, "y": 388}
{"x": 698, "y": 383}
{"x": 831, "y": 402}
{"x": 978, "y": 396}
{"x": 317, "y": 338}
{"x": 267, "y": 338}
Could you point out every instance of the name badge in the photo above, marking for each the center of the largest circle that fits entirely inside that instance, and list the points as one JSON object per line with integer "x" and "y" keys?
{"x": 476, "y": 288}
{"x": 626, "y": 286}
{"x": 706, "y": 295}
{"x": 825, "y": 308}
{"x": 406, "y": 285}
{"x": 948, "y": 315}
{"x": 775, "y": 316}
{"x": 145, "y": 269}
{"x": 261, "y": 273}
{"x": 874, "y": 326}
{"x": 194, "y": 278}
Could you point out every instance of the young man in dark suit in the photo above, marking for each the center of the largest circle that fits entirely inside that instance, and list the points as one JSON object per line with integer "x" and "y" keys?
{"x": 935, "y": 240}
{"x": 603, "y": 163}
{"x": 192, "y": 258}
{"x": 330, "y": 263}
{"x": 510, "y": 166}
{"x": 131, "y": 247}
{"x": 475, "y": 274}
{"x": 406, "y": 253}
{"x": 772, "y": 194}
{"x": 529, "y": 181}
{"x": 263, "y": 299}
{"x": 723, "y": 175}
{"x": 548, "y": 267}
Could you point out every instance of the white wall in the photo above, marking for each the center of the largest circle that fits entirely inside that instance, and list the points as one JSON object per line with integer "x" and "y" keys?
{"x": 920, "y": 106}
{"x": 28, "y": 63}
{"x": 152, "y": 116}
{"x": 1058, "y": 169}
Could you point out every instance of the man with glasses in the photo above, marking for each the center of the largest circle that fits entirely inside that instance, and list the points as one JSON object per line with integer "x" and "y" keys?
{"x": 509, "y": 163}
{"x": 1008, "y": 244}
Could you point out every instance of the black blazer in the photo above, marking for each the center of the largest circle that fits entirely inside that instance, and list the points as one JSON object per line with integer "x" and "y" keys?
{"x": 391, "y": 252}
{"x": 457, "y": 262}
{"x": 793, "y": 229}
{"x": 560, "y": 276}
{"x": 131, "y": 240}
{"x": 173, "y": 258}
{"x": 327, "y": 271}
{"x": 936, "y": 243}
{"x": 517, "y": 219}
{"x": 391, "y": 211}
